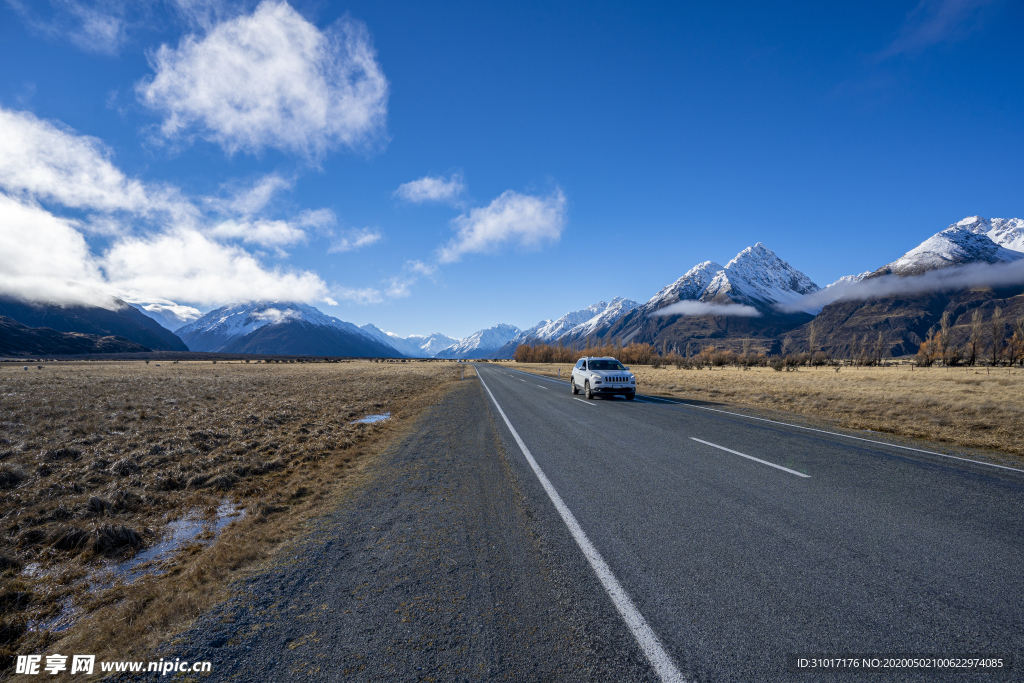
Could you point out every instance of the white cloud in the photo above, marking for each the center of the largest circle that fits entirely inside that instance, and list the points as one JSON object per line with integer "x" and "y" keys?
{"x": 186, "y": 265}
{"x": 43, "y": 256}
{"x": 272, "y": 79}
{"x": 523, "y": 220}
{"x": 696, "y": 308}
{"x": 432, "y": 189}
{"x": 356, "y": 239}
{"x": 263, "y": 232}
{"x": 174, "y": 252}
{"x": 363, "y": 296}
{"x": 50, "y": 162}
{"x": 252, "y": 200}
{"x": 320, "y": 219}
{"x": 99, "y": 26}
{"x": 421, "y": 268}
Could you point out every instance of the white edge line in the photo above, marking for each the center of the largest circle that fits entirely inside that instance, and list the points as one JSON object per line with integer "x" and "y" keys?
{"x": 750, "y": 457}
{"x": 810, "y": 429}
{"x": 638, "y": 626}
{"x": 582, "y": 401}
{"x": 542, "y": 386}
{"x": 845, "y": 436}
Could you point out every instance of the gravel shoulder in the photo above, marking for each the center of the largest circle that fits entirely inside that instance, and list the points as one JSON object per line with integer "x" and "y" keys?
{"x": 448, "y": 564}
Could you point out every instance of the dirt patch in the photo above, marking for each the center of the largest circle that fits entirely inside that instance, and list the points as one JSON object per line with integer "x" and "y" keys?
{"x": 99, "y": 461}
{"x": 967, "y": 407}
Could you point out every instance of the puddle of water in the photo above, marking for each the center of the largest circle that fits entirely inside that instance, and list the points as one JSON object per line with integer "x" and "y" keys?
{"x": 370, "y": 419}
{"x": 181, "y": 530}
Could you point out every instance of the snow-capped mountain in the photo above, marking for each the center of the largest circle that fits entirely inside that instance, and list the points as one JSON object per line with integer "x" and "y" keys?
{"x": 566, "y": 328}
{"x": 690, "y": 286}
{"x": 547, "y": 331}
{"x": 956, "y": 245}
{"x": 480, "y": 344}
{"x": 279, "y": 327}
{"x": 1006, "y": 232}
{"x": 849, "y": 279}
{"x": 415, "y": 345}
{"x": 168, "y": 313}
{"x": 616, "y": 308}
{"x": 429, "y": 345}
{"x": 757, "y": 277}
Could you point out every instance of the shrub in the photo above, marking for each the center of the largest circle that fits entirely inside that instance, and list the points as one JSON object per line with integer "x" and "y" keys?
{"x": 69, "y": 539}
{"x": 110, "y": 539}
{"x": 11, "y": 476}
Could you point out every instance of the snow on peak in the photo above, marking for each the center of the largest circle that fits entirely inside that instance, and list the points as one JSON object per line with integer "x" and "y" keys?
{"x": 481, "y": 343}
{"x": 418, "y": 345}
{"x": 1006, "y": 232}
{"x": 690, "y": 286}
{"x": 240, "y": 319}
{"x": 967, "y": 241}
{"x": 756, "y": 276}
{"x": 849, "y": 279}
{"x": 550, "y": 330}
{"x": 618, "y": 307}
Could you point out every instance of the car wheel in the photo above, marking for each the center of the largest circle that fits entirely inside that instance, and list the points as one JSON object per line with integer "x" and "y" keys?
{"x": 575, "y": 389}
{"x": 630, "y": 397}
{"x": 587, "y": 391}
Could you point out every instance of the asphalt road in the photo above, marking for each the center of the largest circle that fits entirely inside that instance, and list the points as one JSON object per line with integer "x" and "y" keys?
{"x": 680, "y": 560}
{"x": 822, "y": 545}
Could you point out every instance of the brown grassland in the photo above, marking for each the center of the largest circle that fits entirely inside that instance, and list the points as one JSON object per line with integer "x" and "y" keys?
{"x": 98, "y": 458}
{"x": 962, "y": 406}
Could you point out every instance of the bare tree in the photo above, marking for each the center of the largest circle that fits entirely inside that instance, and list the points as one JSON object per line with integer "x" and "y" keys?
{"x": 1016, "y": 346}
{"x": 812, "y": 340}
{"x": 687, "y": 349}
{"x": 977, "y": 329}
{"x": 746, "y": 348}
{"x": 998, "y": 329}
{"x": 787, "y": 344}
{"x": 944, "y": 340}
{"x": 879, "y": 347}
{"x": 855, "y": 349}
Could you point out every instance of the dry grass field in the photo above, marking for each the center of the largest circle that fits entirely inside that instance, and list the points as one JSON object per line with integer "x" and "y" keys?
{"x": 101, "y": 461}
{"x": 962, "y": 406}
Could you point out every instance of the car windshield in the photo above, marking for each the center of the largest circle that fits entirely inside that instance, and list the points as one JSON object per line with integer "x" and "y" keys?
{"x": 605, "y": 365}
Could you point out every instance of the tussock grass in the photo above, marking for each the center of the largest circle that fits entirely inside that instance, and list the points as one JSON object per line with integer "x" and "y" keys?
{"x": 967, "y": 407}
{"x": 97, "y": 458}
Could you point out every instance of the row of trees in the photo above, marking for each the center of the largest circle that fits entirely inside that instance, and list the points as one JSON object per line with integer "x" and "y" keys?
{"x": 938, "y": 345}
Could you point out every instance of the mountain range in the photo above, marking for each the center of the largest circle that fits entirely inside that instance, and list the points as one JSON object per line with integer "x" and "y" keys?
{"x": 272, "y": 327}
{"x": 756, "y": 298}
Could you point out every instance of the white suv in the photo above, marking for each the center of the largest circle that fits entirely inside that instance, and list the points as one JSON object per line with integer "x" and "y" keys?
{"x": 602, "y": 376}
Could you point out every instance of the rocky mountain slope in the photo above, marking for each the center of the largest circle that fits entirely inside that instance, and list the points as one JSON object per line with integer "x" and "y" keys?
{"x": 903, "y": 320}
{"x": 119, "y": 319}
{"x": 17, "y": 339}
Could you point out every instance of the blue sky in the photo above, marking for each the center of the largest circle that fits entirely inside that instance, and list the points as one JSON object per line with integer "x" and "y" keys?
{"x": 204, "y": 152}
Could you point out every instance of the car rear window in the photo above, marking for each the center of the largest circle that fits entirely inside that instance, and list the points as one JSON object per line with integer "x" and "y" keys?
{"x": 606, "y": 365}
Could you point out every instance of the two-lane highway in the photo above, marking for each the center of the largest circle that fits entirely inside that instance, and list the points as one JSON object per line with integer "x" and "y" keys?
{"x": 739, "y": 542}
